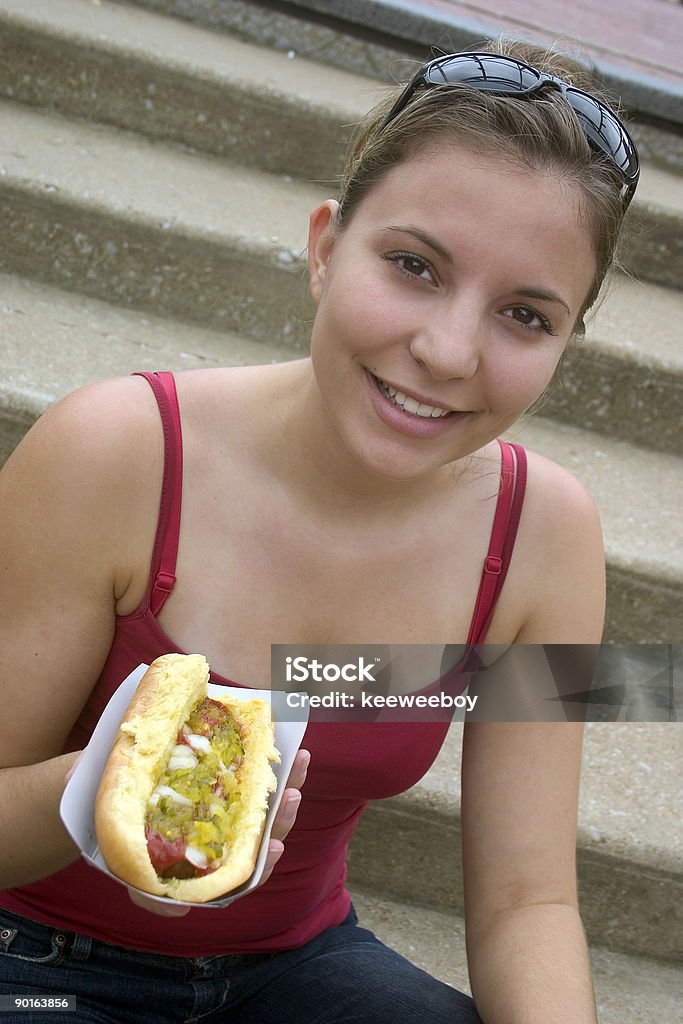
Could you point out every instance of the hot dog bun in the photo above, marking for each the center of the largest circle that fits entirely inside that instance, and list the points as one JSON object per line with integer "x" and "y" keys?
{"x": 171, "y": 691}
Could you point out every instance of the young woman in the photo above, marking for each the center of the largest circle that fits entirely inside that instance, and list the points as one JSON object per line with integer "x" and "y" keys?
{"x": 348, "y": 497}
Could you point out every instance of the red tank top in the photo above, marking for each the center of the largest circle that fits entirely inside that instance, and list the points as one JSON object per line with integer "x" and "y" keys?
{"x": 351, "y": 763}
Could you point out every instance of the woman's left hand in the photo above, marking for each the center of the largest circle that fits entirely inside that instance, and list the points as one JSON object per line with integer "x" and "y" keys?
{"x": 286, "y": 815}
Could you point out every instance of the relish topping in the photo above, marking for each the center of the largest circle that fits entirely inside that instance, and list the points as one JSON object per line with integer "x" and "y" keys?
{"x": 194, "y": 805}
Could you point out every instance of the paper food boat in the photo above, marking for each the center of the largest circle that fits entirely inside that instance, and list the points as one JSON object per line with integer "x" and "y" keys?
{"x": 77, "y": 806}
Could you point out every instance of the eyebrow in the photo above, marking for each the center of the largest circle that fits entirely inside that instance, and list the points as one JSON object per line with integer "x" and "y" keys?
{"x": 544, "y": 296}
{"x": 408, "y": 229}
{"x": 525, "y": 292}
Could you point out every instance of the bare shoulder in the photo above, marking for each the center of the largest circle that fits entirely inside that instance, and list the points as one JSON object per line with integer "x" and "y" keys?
{"x": 104, "y": 413}
{"x": 555, "y": 499}
{"x": 94, "y": 423}
{"x": 92, "y": 455}
{"x": 85, "y": 481}
{"x": 560, "y": 557}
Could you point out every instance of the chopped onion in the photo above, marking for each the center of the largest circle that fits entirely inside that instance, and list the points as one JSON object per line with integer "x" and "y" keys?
{"x": 170, "y": 792}
{"x": 198, "y": 742}
{"x": 196, "y": 857}
{"x": 182, "y": 757}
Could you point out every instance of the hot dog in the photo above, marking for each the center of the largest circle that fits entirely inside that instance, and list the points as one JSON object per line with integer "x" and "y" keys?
{"x": 182, "y": 802}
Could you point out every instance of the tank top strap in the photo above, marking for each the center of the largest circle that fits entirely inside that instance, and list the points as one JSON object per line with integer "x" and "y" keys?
{"x": 162, "y": 575}
{"x": 502, "y": 541}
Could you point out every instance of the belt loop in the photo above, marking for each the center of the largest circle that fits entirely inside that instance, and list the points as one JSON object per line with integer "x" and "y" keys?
{"x": 81, "y": 946}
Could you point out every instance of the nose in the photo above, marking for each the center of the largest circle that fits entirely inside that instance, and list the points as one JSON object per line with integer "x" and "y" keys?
{"x": 449, "y": 346}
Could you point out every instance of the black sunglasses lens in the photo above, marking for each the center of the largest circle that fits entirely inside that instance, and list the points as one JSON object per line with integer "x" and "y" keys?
{"x": 488, "y": 73}
{"x": 604, "y": 129}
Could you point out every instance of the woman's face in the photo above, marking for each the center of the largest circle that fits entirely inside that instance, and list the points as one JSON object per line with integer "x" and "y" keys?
{"x": 444, "y": 305}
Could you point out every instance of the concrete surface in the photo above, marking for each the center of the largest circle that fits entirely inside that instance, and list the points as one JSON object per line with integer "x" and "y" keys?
{"x": 629, "y": 990}
{"x": 625, "y": 377}
{"x": 109, "y": 63}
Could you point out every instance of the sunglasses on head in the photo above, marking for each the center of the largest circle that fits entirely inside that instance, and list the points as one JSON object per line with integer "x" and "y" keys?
{"x": 507, "y": 76}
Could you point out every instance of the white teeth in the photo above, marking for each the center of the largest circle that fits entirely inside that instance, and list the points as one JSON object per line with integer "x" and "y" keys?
{"x": 410, "y": 404}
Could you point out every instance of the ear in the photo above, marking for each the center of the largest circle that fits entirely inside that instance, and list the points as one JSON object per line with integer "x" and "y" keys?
{"x": 322, "y": 234}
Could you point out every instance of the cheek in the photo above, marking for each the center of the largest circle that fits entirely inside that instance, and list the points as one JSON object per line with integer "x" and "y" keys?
{"x": 522, "y": 378}
{"x": 352, "y": 315}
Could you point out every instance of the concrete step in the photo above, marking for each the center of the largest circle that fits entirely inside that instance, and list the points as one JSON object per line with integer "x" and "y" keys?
{"x": 119, "y": 65}
{"x": 54, "y": 341}
{"x": 655, "y": 248}
{"x": 149, "y": 226}
{"x": 629, "y": 840}
{"x": 629, "y": 990}
{"x": 297, "y": 33}
{"x": 115, "y": 216}
{"x": 371, "y": 36}
{"x": 626, "y": 376}
{"x": 157, "y": 75}
{"x": 637, "y": 493}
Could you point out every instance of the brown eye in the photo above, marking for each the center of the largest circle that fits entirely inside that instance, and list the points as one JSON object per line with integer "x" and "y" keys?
{"x": 524, "y": 314}
{"x": 529, "y": 318}
{"x": 411, "y": 266}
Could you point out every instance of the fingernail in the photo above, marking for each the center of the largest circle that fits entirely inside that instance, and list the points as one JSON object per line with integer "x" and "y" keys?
{"x": 291, "y": 806}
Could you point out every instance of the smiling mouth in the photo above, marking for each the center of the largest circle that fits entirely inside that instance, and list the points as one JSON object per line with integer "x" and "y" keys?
{"x": 411, "y": 405}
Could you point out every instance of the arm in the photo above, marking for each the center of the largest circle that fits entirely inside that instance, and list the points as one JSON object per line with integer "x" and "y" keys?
{"x": 525, "y": 944}
{"x": 527, "y": 952}
{"x": 79, "y": 502}
{"x": 64, "y": 495}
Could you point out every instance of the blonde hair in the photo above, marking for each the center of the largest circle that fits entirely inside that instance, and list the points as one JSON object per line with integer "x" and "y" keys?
{"x": 541, "y": 132}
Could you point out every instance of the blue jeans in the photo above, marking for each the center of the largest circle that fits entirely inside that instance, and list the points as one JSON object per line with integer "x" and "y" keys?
{"x": 343, "y": 975}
